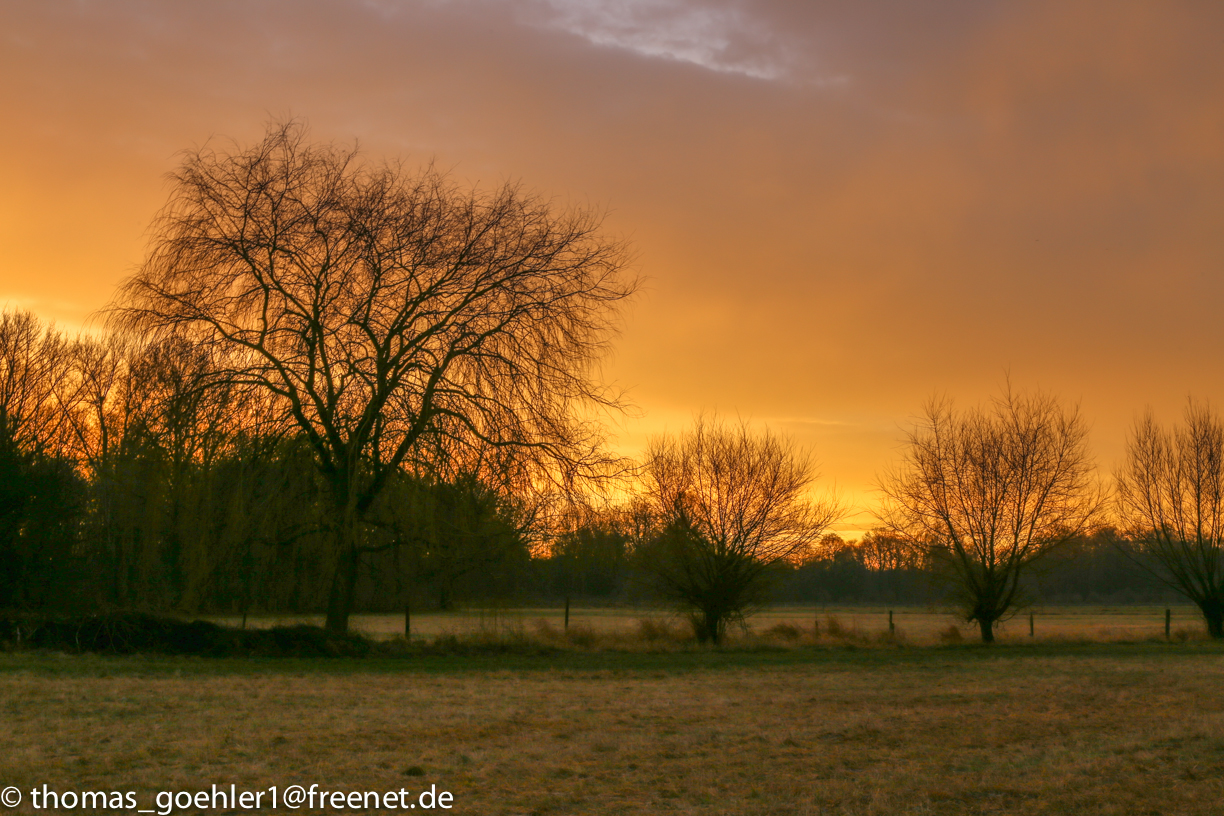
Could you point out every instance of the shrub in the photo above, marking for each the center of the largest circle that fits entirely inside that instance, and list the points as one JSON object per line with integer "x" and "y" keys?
{"x": 135, "y": 632}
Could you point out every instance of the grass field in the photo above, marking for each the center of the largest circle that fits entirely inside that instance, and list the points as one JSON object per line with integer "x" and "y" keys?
{"x": 1019, "y": 728}
{"x": 916, "y": 625}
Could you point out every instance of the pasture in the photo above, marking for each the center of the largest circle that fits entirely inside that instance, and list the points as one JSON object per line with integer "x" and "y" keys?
{"x": 915, "y": 625}
{"x": 1051, "y": 726}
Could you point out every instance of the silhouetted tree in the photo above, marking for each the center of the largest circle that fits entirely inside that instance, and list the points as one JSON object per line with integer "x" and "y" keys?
{"x": 590, "y": 556}
{"x": 988, "y": 491}
{"x": 883, "y": 551}
{"x": 33, "y": 366}
{"x": 42, "y": 499}
{"x": 99, "y": 400}
{"x": 41, "y": 495}
{"x": 148, "y": 424}
{"x": 1171, "y": 499}
{"x": 734, "y": 504}
{"x": 450, "y": 530}
{"x": 379, "y": 308}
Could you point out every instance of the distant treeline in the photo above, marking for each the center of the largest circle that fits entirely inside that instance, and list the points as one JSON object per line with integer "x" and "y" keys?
{"x": 1093, "y": 569}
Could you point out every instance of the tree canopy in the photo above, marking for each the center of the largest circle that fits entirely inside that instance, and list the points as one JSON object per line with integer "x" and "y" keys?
{"x": 380, "y": 310}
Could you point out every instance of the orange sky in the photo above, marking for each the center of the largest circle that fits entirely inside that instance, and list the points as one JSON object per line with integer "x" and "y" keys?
{"x": 841, "y": 208}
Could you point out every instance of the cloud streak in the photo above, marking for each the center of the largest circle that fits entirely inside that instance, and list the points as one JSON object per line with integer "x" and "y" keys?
{"x": 715, "y": 36}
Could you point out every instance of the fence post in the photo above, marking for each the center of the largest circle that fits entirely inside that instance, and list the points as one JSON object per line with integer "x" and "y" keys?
{"x": 1030, "y": 624}
{"x": 407, "y": 620}
{"x": 816, "y": 623}
{"x": 1168, "y": 620}
{"x": 892, "y": 630}
{"x": 567, "y": 613}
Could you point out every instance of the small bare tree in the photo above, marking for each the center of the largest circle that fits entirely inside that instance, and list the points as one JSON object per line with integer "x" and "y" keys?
{"x": 96, "y": 412}
{"x": 989, "y": 491}
{"x": 1170, "y": 495}
{"x": 379, "y": 307}
{"x": 733, "y": 504}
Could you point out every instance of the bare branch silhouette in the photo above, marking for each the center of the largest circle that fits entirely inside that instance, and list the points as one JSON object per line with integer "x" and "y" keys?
{"x": 1171, "y": 499}
{"x": 991, "y": 490}
{"x": 379, "y": 308}
{"x": 733, "y": 504}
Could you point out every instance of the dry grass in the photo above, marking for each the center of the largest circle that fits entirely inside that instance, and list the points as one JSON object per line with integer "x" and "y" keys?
{"x": 919, "y": 625}
{"x": 963, "y": 730}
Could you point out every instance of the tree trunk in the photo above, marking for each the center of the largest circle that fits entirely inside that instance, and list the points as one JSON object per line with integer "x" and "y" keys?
{"x": 708, "y": 626}
{"x": 1213, "y": 614}
{"x": 344, "y": 584}
{"x": 987, "y": 627}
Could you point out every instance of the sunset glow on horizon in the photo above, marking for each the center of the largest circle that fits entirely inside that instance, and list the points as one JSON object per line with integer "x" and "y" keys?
{"x": 839, "y": 209}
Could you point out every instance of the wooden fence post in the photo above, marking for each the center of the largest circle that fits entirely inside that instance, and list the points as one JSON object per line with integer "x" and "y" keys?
{"x": 892, "y": 630}
{"x": 567, "y": 613}
{"x": 407, "y": 620}
{"x": 1168, "y": 620}
{"x": 1030, "y": 624}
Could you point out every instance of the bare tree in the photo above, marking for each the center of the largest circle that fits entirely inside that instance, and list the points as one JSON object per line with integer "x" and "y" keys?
{"x": 380, "y": 307}
{"x": 1170, "y": 495}
{"x": 991, "y": 490}
{"x": 33, "y": 366}
{"x": 885, "y": 551}
{"x": 93, "y": 400}
{"x": 733, "y": 503}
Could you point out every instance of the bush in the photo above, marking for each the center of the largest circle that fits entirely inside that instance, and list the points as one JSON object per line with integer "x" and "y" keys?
{"x": 134, "y": 633}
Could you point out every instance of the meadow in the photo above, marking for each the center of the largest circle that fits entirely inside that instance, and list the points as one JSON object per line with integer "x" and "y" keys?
{"x": 915, "y": 625}
{"x": 848, "y": 725}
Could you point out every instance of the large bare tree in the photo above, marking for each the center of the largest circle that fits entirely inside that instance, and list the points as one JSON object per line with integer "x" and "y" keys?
{"x": 988, "y": 491}
{"x": 380, "y": 307}
{"x": 732, "y": 504}
{"x": 1170, "y": 494}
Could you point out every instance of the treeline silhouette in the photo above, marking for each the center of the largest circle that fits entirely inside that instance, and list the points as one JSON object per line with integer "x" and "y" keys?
{"x": 131, "y": 479}
{"x": 1091, "y": 569}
